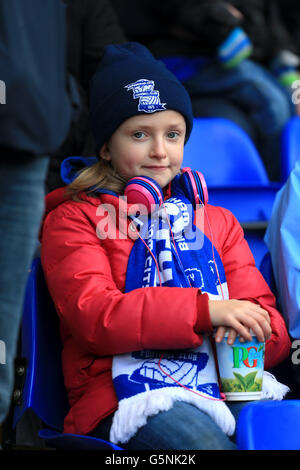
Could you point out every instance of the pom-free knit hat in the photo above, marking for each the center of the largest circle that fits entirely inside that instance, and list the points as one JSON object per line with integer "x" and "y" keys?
{"x": 130, "y": 81}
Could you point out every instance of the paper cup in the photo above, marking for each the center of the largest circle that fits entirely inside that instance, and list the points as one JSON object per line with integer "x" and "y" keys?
{"x": 241, "y": 367}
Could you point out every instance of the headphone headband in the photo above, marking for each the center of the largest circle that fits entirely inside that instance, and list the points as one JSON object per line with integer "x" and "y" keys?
{"x": 145, "y": 191}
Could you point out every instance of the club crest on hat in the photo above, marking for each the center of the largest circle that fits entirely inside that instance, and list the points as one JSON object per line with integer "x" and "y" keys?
{"x": 149, "y": 100}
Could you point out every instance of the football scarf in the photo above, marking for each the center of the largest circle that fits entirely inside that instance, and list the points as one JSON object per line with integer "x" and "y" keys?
{"x": 147, "y": 382}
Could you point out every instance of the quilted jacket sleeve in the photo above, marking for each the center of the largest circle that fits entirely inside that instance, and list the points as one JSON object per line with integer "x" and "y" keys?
{"x": 246, "y": 282}
{"x": 102, "y": 319}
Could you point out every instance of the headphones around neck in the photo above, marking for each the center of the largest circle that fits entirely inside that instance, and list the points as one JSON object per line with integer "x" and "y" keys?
{"x": 145, "y": 191}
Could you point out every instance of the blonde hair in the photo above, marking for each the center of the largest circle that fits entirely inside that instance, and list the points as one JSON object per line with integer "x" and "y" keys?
{"x": 100, "y": 175}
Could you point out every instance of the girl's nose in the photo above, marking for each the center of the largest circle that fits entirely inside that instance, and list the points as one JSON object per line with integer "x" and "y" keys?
{"x": 158, "y": 149}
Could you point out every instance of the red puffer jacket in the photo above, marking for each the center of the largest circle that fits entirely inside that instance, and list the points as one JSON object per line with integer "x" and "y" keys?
{"x": 84, "y": 257}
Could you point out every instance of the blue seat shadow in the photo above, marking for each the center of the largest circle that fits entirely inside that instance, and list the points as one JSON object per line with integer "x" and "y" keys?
{"x": 266, "y": 269}
{"x": 255, "y": 240}
{"x": 290, "y": 147}
{"x": 184, "y": 67}
{"x": 44, "y": 391}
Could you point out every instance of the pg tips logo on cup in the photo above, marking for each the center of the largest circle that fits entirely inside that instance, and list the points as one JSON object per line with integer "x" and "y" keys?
{"x": 241, "y": 369}
{"x": 247, "y": 356}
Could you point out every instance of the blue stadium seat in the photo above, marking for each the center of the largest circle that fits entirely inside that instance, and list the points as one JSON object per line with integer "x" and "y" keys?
{"x": 44, "y": 392}
{"x": 269, "y": 425}
{"x": 235, "y": 176}
{"x": 224, "y": 153}
{"x": 232, "y": 167}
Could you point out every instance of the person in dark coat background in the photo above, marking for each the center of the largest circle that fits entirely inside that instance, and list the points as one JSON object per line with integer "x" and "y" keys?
{"x": 48, "y": 53}
{"x": 35, "y": 116}
{"x": 91, "y": 25}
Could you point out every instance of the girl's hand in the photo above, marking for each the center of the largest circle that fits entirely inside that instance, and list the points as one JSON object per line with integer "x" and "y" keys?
{"x": 240, "y": 316}
{"x": 232, "y": 334}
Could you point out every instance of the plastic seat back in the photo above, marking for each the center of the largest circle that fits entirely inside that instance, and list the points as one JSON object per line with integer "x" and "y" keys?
{"x": 44, "y": 390}
{"x": 235, "y": 175}
{"x": 269, "y": 425}
{"x": 224, "y": 153}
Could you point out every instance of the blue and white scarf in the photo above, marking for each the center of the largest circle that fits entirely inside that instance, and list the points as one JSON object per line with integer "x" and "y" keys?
{"x": 148, "y": 382}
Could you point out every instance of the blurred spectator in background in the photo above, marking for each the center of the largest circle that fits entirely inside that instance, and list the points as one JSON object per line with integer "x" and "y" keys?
{"x": 34, "y": 121}
{"x": 289, "y": 11}
{"x": 283, "y": 240}
{"x": 91, "y": 25}
{"x": 236, "y": 59}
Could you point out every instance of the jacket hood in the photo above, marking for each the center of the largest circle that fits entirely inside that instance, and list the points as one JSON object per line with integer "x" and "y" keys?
{"x": 68, "y": 172}
{"x": 71, "y": 166}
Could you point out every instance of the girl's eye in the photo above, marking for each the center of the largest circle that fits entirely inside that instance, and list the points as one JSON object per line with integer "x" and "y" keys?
{"x": 172, "y": 135}
{"x": 139, "y": 135}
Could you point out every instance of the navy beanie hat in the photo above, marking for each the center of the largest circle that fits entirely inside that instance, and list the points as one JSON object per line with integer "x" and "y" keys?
{"x": 130, "y": 81}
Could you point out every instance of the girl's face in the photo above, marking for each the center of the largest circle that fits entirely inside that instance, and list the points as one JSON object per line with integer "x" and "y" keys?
{"x": 148, "y": 145}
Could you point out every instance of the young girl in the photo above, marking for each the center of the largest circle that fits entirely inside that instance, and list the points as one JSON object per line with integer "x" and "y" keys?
{"x": 138, "y": 293}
